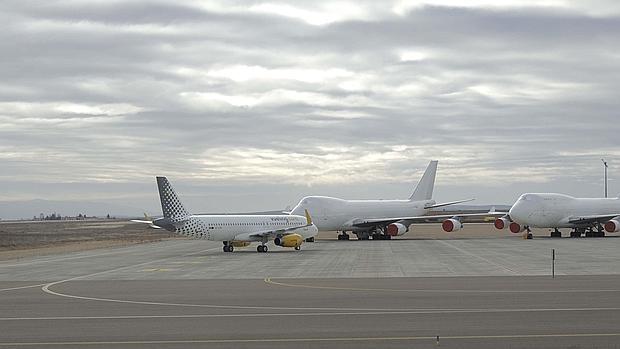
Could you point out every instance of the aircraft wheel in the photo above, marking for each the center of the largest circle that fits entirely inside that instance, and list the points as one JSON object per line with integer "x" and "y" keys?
{"x": 310, "y": 239}
{"x": 529, "y": 236}
{"x": 340, "y": 237}
{"x": 297, "y": 248}
{"x": 225, "y": 248}
{"x": 259, "y": 248}
{"x": 346, "y": 237}
{"x": 265, "y": 248}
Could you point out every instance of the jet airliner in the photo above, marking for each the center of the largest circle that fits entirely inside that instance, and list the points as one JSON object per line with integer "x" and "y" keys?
{"x": 233, "y": 230}
{"x": 382, "y": 219}
{"x": 590, "y": 216}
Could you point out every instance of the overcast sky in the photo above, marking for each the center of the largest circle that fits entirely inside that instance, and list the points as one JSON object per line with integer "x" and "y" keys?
{"x": 249, "y": 105}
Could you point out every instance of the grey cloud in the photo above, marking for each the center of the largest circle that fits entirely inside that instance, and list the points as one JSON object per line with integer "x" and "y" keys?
{"x": 513, "y": 97}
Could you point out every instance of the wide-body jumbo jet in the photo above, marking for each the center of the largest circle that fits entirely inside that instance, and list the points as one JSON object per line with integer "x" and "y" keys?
{"x": 382, "y": 219}
{"x": 589, "y": 216}
{"x": 232, "y": 230}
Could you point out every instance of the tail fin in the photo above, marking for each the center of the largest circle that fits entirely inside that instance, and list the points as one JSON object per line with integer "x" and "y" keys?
{"x": 424, "y": 189}
{"x": 171, "y": 206}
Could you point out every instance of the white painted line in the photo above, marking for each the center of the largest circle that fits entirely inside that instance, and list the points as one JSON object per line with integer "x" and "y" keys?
{"x": 20, "y": 287}
{"x": 356, "y": 313}
{"x": 297, "y": 340}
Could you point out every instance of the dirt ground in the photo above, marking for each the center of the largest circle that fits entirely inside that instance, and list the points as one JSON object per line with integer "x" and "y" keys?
{"x": 28, "y": 238}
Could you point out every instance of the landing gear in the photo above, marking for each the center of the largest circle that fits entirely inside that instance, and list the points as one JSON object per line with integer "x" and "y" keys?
{"x": 228, "y": 248}
{"x": 600, "y": 232}
{"x": 297, "y": 248}
{"x": 379, "y": 236}
{"x": 363, "y": 235}
{"x": 261, "y": 248}
{"x": 344, "y": 236}
{"x": 556, "y": 233}
{"x": 310, "y": 239}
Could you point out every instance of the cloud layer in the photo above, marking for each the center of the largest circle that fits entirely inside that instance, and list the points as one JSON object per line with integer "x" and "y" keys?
{"x": 346, "y": 98}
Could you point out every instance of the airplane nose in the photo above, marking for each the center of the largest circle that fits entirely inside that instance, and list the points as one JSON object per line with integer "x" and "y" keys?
{"x": 517, "y": 212}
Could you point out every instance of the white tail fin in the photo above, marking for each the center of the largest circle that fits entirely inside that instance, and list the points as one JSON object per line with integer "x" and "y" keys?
{"x": 171, "y": 206}
{"x": 424, "y": 189}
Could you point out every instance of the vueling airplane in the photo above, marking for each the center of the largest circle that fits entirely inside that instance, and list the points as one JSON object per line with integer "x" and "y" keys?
{"x": 232, "y": 230}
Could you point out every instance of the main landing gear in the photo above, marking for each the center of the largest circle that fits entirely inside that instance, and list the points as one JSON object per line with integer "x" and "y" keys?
{"x": 556, "y": 233}
{"x": 588, "y": 232}
{"x": 261, "y": 248}
{"x": 343, "y": 236}
{"x": 228, "y": 247}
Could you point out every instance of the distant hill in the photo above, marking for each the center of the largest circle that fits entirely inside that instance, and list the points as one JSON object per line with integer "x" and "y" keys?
{"x": 29, "y": 208}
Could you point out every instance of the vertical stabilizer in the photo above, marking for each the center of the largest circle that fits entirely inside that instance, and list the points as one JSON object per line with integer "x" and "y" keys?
{"x": 171, "y": 206}
{"x": 424, "y": 189}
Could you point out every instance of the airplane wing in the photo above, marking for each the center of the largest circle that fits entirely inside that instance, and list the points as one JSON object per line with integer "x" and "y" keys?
{"x": 275, "y": 232}
{"x": 448, "y": 203}
{"x": 592, "y": 218}
{"x": 361, "y": 223}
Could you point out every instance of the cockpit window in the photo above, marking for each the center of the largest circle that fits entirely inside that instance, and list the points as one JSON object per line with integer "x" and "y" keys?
{"x": 528, "y": 198}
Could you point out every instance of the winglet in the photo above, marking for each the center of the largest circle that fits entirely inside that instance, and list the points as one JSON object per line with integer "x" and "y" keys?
{"x": 308, "y": 218}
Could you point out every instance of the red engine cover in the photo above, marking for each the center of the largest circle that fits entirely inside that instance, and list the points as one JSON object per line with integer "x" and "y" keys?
{"x": 447, "y": 225}
{"x": 515, "y": 228}
{"x": 392, "y": 229}
{"x": 499, "y": 224}
{"x": 611, "y": 227}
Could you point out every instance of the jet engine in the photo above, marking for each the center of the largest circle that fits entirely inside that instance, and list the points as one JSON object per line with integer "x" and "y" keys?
{"x": 240, "y": 243}
{"x": 501, "y": 223}
{"x": 291, "y": 240}
{"x": 612, "y": 226}
{"x": 516, "y": 228}
{"x": 395, "y": 229}
{"x": 450, "y": 225}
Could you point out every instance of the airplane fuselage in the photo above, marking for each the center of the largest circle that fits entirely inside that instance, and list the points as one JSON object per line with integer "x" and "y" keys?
{"x": 330, "y": 213}
{"x": 548, "y": 210}
{"x": 240, "y": 227}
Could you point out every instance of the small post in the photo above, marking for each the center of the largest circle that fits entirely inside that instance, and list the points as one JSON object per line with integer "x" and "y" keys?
{"x": 605, "y": 178}
{"x": 437, "y": 341}
{"x": 553, "y": 263}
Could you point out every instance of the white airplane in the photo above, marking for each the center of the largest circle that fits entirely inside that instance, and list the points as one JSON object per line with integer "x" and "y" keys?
{"x": 550, "y": 210}
{"x": 233, "y": 230}
{"x": 382, "y": 219}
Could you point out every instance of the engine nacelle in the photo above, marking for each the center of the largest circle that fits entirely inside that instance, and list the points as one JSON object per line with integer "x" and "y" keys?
{"x": 396, "y": 229}
{"x": 450, "y": 225}
{"x": 291, "y": 240}
{"x": 516, "y": 228}
{"x": 501, "y": 223}
{"x": 240, "y": 243}
{"x": 612, "y": 226}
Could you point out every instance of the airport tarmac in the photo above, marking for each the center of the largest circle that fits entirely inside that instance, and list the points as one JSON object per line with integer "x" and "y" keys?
{"x": 471, "y": 292}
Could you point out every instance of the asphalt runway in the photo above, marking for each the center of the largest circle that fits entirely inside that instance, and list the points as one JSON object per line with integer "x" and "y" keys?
{"x": 491, "y": 293}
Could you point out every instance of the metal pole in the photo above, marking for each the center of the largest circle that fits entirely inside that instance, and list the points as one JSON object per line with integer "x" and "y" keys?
{"x": 605, "y": 165}
{"x": 553, "y": 263}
